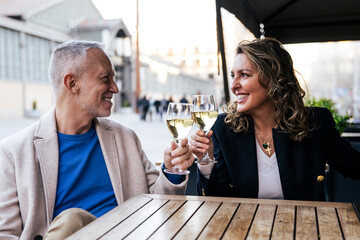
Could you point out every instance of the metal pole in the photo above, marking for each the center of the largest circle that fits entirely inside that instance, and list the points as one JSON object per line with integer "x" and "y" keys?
{"x": 221, "y": 48}
{"x": 138, "y": 86}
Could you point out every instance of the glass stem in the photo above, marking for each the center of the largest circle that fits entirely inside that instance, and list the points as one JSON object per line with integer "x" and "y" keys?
{"x": 206, "y": 154}
{"x": 177, "y": 141}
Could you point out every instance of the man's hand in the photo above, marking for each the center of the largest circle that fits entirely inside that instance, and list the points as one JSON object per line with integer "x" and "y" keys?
{"x": 179, "y": 156}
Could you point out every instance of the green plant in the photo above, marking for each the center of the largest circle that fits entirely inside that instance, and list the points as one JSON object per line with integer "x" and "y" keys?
{"x": 125, "y": 103}
{"x": 341, "y": 121}
{"x": 34, "y": 105}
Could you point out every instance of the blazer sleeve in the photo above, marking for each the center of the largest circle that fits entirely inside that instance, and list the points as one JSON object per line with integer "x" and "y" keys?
{"x": 156, "y": 180}
{"x": 10, "y": 218}
{"x": 341, "y": 155}
{"x": 219, "y": 183}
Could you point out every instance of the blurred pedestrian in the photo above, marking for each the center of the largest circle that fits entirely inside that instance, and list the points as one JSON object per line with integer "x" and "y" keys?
{"x": 157, "y": 105}
{"x": 151, "y": 110}
{"x": 184, "y": 100}
{"x": 144, "y": 107}
{"x": 163, "y": 107}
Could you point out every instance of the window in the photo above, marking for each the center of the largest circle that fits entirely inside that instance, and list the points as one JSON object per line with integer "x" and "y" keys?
{"x": 10, "y": 54}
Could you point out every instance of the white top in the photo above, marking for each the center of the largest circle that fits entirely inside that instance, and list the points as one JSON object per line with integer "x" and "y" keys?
{"x": 269, "y": 176}
{"x": 268, "y": 172}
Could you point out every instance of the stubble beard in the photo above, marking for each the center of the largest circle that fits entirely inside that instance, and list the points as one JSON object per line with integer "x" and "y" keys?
{"x": 93, "y": 109}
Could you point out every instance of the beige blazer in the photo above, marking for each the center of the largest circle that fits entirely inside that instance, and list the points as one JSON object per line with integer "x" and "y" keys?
{"x": 29, "y": 167}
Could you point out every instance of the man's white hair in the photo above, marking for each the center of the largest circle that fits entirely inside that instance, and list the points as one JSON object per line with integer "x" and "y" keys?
{"x": 69, "y": 57}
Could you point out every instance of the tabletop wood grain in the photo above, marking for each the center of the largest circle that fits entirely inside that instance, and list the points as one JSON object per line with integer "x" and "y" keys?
{"x": 151, "y": 216}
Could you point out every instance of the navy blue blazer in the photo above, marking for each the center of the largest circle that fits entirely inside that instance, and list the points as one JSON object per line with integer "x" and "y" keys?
{"x": 301, "y": 164}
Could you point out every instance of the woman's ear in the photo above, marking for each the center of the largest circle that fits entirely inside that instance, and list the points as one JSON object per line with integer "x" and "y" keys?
{"x": 70, "y": 83}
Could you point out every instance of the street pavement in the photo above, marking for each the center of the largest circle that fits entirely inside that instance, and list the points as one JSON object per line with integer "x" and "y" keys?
{"x": 154, "y": 135}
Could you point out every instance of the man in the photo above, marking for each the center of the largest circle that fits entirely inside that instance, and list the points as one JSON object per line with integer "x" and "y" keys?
{"x": 73, "y": 158}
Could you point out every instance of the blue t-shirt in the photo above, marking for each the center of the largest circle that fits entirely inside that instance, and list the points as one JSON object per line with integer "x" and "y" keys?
{"x": 83, "y": 179}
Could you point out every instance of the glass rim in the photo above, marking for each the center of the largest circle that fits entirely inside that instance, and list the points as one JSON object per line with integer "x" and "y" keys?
{"x": 180, "y": 103}
{"x": 203, "y": 95}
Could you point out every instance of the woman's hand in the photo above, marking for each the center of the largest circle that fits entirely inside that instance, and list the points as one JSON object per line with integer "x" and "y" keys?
{"x": 200, "y": 143}
{"x": 179, "y": 156}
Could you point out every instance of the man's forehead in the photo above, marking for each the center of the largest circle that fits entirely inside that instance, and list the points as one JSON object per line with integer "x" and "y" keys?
{"x": 108, "y": 72}
{"x": 98, "y": 57}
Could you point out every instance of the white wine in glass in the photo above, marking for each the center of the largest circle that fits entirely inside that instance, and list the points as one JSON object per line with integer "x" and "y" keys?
{"x": 204, "y": 113}
{"x": 179, "y": 122}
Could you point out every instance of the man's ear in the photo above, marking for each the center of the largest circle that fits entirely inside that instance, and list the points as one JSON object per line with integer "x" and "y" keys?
{"x": 70, "y": 83}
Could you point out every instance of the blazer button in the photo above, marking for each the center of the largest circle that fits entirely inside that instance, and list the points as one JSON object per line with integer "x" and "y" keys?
{"x": 320, "y": 178}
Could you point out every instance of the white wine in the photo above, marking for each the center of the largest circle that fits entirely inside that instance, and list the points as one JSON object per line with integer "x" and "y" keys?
{"x": 204, "y": 120}
{"x": 179, "y": 127}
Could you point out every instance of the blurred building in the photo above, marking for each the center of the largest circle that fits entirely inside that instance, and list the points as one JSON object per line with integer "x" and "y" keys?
{"x": 30, "y": 29}
{"x": 163, "y": 79}
{"x": 200, "y": 62}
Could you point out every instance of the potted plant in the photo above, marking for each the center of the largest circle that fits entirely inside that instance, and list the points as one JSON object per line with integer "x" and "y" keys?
{"x": 341, "y": 121}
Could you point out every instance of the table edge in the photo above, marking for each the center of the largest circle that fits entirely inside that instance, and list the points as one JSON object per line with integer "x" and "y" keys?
{"x": 250, "y": 200}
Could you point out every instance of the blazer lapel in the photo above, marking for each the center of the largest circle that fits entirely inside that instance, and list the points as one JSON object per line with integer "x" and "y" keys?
{"x": 111, "y": 156}
{"x": 47, "y": 150}
{"x": 244, "y": 163}
{"x": 287, "y": 173}
{"x": 48, "y": 154}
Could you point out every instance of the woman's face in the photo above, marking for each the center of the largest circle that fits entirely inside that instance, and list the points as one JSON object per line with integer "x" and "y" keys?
{"x": 251, "y": 97}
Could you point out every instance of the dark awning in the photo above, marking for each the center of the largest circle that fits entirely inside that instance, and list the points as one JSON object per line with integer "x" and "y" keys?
{"x": 298, "y": 21}
{"x": 292, "y": 21}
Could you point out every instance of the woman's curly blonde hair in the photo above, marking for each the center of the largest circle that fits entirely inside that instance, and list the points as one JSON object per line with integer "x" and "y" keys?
{"x": 277, "y": 75}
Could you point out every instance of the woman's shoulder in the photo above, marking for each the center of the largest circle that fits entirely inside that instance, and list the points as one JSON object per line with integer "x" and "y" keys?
{"x": 321, "y": 118}
{"x": 220, "y": 122}
{"x": 221, "y": 118}
{"x": 319, "y": 113}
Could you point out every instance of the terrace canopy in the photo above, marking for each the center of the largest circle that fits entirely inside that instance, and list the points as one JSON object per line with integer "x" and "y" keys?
{"x": 293, "y": 21}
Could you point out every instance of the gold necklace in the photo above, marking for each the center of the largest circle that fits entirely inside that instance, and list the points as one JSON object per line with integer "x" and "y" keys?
{"x": 266, "y": 143}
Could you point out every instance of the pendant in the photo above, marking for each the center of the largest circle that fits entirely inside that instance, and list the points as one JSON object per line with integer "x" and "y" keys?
{"x": 267, "y": 147}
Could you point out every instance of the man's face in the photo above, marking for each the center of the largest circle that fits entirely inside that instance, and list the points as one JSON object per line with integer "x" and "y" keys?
{"x": 96, "y": 84}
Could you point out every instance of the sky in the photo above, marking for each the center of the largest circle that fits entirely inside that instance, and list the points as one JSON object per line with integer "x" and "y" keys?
{"x": 164, "y": 23}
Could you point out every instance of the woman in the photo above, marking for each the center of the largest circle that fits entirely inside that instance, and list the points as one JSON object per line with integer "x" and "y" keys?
{"x": 268, "y": 144}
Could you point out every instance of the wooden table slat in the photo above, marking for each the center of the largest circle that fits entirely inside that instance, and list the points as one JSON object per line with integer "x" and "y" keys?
{"x": 329, "y": 227}
{"x": 195, "y": 217}
{"x": 174, "y": 224}
{"x": 240, "y": 224}
{"x": 306, "y": 223}
{"x": 197, "y": 222}
{"x": 100, "y": 226}
{"x": 220, "y": 221}
{"x": 284, "y": 223}
{"x": 262, "y": 224}
{"x": 125, "y": 227}
{"x": 349, "y": 223}
{"x": 156, "y": 220}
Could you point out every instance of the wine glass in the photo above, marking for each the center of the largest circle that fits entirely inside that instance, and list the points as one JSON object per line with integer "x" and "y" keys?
{"x": 204, "y": 113}
{"x": 179, "y": 122}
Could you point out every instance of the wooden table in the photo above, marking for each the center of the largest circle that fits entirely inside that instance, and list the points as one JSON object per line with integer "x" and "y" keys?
{"x": 191, "y": 217}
